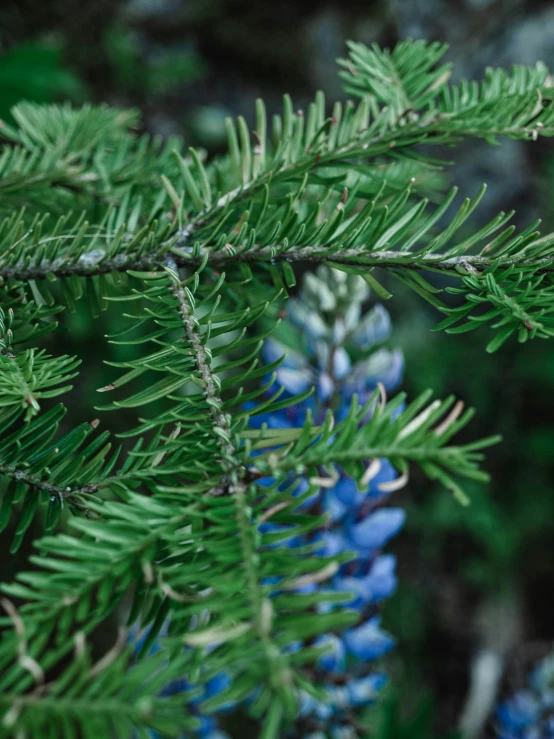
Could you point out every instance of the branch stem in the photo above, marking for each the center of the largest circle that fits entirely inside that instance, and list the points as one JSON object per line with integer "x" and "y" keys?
{"x": 314, "y": 254}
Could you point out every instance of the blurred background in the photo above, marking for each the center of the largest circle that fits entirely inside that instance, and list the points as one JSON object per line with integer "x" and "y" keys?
{"x": 473, "y": 581}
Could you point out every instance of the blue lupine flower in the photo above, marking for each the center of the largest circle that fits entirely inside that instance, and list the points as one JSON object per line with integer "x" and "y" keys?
{"x": 346, "y": 490}
{"x": 378, "y": 584}
{"x": 358, "y": 522}
{"x": 368, "y": 642}
{"x": 334, "y": 506}
{"x": 383, "y": 366}
{"x": 325, "y": 386}
{"x": 208, "y": 728}
{"x": 333, "y": 359}
{"x": 521, "y": 711}
{"x": 373, "y": 329}
{"x": 331, "y": 544}
{"x": 362, "y": 691}
{"x": 374, "y": 531}
{"x": 328, "y": 314}
{"x": 295, "y": 381}
{"x": 381, "y": 579}
{"x": 529, "y": 713}
{"x": 357, "y": 588}
{"x": 333, "y": 659}
{"x": 273, "y": 350}
{"x": 309, "y": 321}
{"x": 308, "y": 706}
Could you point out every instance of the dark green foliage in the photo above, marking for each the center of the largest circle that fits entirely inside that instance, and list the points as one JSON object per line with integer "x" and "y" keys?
{"x": 35, "y": 71}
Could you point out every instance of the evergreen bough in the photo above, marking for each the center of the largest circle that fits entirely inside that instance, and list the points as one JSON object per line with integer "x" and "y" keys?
{"x": 203, "y": 254}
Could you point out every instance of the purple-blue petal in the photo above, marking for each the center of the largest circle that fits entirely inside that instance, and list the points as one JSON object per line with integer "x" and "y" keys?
{"x": 347, "y": 493}
{"x": 373, "y": 329}
{"x": 325, "y": 386}
{"x": 310, "y": 706}
{"x": 272, "y": 350}
{"x": 387, "y": 473}
{"x": 306, "y": 319}
{"x": 381, "y": 581}
{"x": 334, "y": 507}
{"x": 333, "y": 659}
{"x": 382, "y": 366}
{"x": 362, "y": 691}
{"x": 373, "y": 532}
{"x": 295, "y": 381}
{"x": 368, "y": 642}
{"x": 331, "y": 543}
{"x": 520, "y": 711}
{"x": 356, "y": 586}
{"x": 341, "y": 363}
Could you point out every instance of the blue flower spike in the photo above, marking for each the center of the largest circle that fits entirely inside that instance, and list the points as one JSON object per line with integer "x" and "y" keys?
{"x": 343, "y": 355}
{"x": 529, "y": 713}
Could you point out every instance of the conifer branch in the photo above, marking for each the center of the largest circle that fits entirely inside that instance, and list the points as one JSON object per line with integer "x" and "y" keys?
{"x": 213, "y": 398}
{"x": 219, "y": 488}
{"x": 410, "y": 438}
{"x": 273, "y": 254}
{"x": 235, "y": 486}
{"x": 34, "y": 481}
